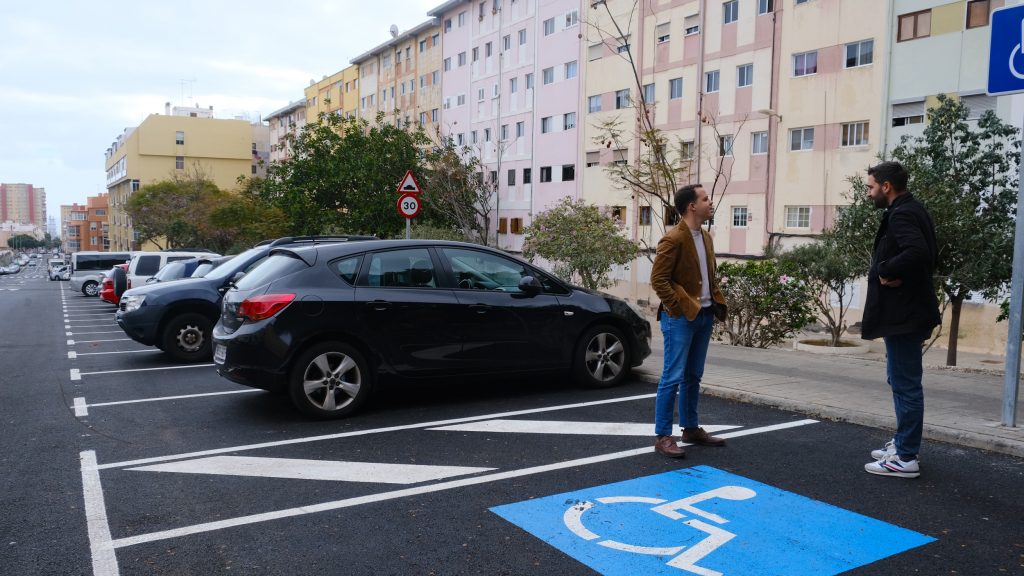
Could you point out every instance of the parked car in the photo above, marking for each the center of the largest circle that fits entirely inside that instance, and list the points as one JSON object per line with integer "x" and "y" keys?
{"x": 89, "y": 268}
{"x": 177, "y": 317}
{"x": 61, "y": 272}
{"x": 186, "y": 269}
{"x": 144, "y": 265}
{"x": 114, "y": 284}
{"x": 323, "y": 323}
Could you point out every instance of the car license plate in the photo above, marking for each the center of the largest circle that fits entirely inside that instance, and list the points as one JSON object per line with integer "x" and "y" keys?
{"x": 219, "y": 353}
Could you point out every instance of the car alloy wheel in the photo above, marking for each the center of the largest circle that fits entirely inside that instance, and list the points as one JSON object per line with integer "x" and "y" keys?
{"x": 186, "y": 338}
{"x": 602, "y": 357}
{"x": 329, "y": 380}
{"x": 91, "y": 289}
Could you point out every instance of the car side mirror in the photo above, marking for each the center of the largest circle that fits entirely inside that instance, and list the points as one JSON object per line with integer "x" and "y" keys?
{"x": 151, "y": 280}
{"x": 530, "y": 286}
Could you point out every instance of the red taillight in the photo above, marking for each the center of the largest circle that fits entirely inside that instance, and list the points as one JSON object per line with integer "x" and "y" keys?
{"x": 263, "y": 307}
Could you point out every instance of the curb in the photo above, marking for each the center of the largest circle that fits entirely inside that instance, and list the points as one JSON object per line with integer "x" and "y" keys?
{"x": 944, "y": 434}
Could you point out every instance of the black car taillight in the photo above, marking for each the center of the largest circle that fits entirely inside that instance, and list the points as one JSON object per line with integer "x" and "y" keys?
{"x": 265, "y": 306}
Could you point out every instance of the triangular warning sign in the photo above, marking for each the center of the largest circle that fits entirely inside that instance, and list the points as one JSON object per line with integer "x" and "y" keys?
{"x": 409, "y": 184}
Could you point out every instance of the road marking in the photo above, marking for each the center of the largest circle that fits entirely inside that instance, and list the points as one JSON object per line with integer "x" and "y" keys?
{"x": 81, "y": 408}
{"x": 68, "y": 326}
{"x": 147, "y": 369}
{"x": 72, "y": 355}
{"x": 161, "y": 398}
{"x": 297, "y": 469}
{"x": 150, "y": 350}
{"x": 75, "y": 375}
{"x": 556, "y": 427}
{"x": 101, "y": 332}
{"x": 104, "y": 559}
{"x": 392, "y": 495}
{"x": 110, "y": 340}
{"x": 71, "y": 342}
{"x": 370, "y": 431}
{"x": 97, "y": 314}
{"x": 69, "y": 333}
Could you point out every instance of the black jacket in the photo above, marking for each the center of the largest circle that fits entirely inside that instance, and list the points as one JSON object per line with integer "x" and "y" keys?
{"x": 904, "y": 249}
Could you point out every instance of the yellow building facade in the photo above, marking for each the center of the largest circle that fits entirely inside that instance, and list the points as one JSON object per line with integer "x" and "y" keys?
{"x": 167, "y": 146}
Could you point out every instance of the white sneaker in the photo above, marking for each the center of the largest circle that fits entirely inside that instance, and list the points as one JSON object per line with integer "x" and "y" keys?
{"x": 887, "y": 450}
{"x": 891, "y": 465}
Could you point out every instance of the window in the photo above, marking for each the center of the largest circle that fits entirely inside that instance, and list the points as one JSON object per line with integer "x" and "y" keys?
{"x": 855, "y": 134}
{"x": 649, "y": 93}
{"x": 675, "y": 88}
{"x": 179, "y": 137}
{"x": 462, "y": 19}
{"x": 513, "y": 85}
{"x": 435, "y": 40}
{"x": 744, "y": 75}
{"x": 594, "y": 103}
{"x": 725, "y": 145}
{"x": 547, "y": 76}
{"x": 711, "y": 81}
{"x": 977, "y": 13}
{"x": 423, "y": 46}
{"x": 502, "y": 225}
{"x": 622, "y": 99}
{"x": 447, "y": 64}
{"x": 477, "y": 270}
{"x": 400, "y": 268}
{"x": 512, "y": 177}
{"x": 520, "y": 129}
{"x": 801, "y": 139}
{"x": 593, "y": 159}
{"x": 545, "y": 173}
{"x": 488, "y": 49}
{"x": 645, "y": 216}
{"x": 798, "y": 216}
{"x": 572, "y": 18}
{"x": 461, "y": 58}
{"x": 460, "y": 139}
{"x": 487, "y": 134}
{"x": 473, "y": 137}
{"x": 480, "y": 95}
{"x": 529, "y": 81}
{"x": 516, "y": 227}
{"x": 915, "y": 25}
{"x": 545, "y": 126}
{"x": 662, "y": 32}
{"x": 448, "y": 25}
{"x": 476, "y": 54}
{"x": 765, "y": 6}
{"x": 506, "y": 42}
{"x": 179, "y": 162}
{"x": 423, "y": 117}
{"x": 618, "y": 213}
{"x": 460, "y": 100}
{"x": 688, "y": 149}
{"x": 527, "y": 175}
{"x": 758, "y": 142}
{"x": 691, "y": 25}
{"x": 595, "y": 51}
{"x": 730, "y": 11}
{"x": 860, "y": 53}
{"x": 805, "y": 64}
{"x": 549, "y": 26}
{"x": 739, "y": 216}
{"x": 522, "y": 37}
{"x": 569, "y": 121}
{"x": 570, "y": 69}
{"x": 620, "y": 156}
{"x": 503, "y": 134}
{"x": 623, "y": 46}
{"x": 568, "y": 172}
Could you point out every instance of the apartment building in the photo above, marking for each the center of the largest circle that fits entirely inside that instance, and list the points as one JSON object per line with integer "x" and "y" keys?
{"x": 23, "y": 204}
{"x": 401, "y": 78}
{"x": 284, "y": 124}
{"x": 86, "y": 227}
{"x": 180, "y": 141}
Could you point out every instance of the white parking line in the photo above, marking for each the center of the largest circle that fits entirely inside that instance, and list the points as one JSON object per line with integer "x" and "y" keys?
{"x": 383, "y": 496}
{"x": 81, "y": 408}
{"x": 73, "y": 355}
{"x": 93, "y": 314}
{"x": 104, "y": 559}
{"x": 70, "y": 342}
{"x": 80, "y": 374}
{"x": 101, "y": 332}
{"x": 85, "y": 406}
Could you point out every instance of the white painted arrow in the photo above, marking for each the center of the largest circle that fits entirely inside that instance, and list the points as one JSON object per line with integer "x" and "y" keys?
{"x": 569, "y": 427}
{"x": 378, "y": 472}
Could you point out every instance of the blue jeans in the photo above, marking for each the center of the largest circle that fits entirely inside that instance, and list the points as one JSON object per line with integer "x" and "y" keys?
{"x": 686, "y": 347}
{"x": 904, "y": 369}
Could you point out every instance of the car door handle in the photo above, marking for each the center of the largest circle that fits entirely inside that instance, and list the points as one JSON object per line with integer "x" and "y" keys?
{"x": 379, "y": 304}
{"x": 480, "y": 308}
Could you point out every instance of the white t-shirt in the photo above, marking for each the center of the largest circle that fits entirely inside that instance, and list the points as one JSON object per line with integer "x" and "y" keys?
{"x": 702, "y": 255}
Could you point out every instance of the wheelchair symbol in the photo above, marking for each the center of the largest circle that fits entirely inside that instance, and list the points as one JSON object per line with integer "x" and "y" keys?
{"x": 1015, "y": 52}
{"x": 687, "y": 558}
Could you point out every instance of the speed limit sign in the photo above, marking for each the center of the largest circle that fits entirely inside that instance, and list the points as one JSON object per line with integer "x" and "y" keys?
{"x": 409, "y": 205}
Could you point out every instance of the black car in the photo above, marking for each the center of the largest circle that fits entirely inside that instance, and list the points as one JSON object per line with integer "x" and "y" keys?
{"x": 325, "y": 322}
{"x": 177, "y": 316}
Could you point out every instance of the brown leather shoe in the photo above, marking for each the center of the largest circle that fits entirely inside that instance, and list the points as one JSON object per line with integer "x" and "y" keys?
{"x": 700, "y": 437}
{"x": 666, "y": 445}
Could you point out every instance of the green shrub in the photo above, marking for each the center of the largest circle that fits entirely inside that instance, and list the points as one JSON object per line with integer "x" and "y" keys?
{"x": 767, "y": 301}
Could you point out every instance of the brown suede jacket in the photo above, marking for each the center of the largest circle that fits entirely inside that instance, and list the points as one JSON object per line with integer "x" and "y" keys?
{"x": 676, "y": 277}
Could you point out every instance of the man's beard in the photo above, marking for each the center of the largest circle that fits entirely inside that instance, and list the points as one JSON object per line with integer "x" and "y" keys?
{"x": 880, "y": 202}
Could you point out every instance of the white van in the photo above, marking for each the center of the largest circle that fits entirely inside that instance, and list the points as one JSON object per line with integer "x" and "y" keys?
{"x": 88, "y": 268}
{"x": 145, "y": 264}
{"x": 52, "y": 266}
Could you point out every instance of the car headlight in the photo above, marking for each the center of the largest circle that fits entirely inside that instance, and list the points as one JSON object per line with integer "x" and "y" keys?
{"x": 132, "y": 303}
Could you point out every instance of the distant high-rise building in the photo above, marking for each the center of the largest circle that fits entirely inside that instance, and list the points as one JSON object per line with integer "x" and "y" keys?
{"x": 23, "y": 204}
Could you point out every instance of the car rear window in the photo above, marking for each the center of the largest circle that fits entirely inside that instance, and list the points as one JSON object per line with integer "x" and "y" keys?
{"x": 277, "y": 266}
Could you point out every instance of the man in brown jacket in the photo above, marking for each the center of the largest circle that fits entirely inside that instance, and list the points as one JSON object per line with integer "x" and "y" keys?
{"x": 684, "y": 279}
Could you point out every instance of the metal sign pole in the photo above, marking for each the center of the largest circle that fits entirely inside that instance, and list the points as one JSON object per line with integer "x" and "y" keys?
{"x": 408, "y": 228}
{"x": 1011, "y": 378}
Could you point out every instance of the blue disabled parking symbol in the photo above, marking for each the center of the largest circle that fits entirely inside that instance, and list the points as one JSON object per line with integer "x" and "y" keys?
{"x": 708, "y": 522}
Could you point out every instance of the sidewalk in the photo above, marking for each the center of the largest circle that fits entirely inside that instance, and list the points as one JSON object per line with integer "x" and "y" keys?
{"x": 963, "y": 405}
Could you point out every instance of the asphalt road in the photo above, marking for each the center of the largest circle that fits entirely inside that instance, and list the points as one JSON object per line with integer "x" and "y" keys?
{"x": 117, "y": 461}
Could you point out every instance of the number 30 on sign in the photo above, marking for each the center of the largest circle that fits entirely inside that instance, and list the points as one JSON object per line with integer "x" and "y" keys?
{"x": 409, "y": 205}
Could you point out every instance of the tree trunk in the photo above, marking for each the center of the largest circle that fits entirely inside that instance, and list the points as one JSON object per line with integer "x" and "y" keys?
{"x": 954, "y": 329}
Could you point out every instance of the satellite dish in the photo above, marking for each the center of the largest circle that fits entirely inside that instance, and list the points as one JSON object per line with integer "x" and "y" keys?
{"x": 394, "y": 31}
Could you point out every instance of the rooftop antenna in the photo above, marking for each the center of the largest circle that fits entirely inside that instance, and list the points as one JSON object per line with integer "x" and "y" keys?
{"x": 190, "y": 83}
{"x": 394, "y": 31}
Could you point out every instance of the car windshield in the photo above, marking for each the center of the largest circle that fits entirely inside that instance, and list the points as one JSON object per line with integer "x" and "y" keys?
{"x": 225, "y": 270}
{"x": 172, "y": 271}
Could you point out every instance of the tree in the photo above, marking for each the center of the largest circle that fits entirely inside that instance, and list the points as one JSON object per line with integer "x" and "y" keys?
{"x": 23, "y": 241}
{"x": 967, "y": 178}
{"x": 343, "y": 174}
{"x": 767, "y": 301}
{"x": 581, "y": 243}
{"x": 828, "y": 270}
{"x": 453, "y": 179}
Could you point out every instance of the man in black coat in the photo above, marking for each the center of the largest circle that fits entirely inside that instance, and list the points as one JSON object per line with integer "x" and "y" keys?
{"x": 902, "y": 309}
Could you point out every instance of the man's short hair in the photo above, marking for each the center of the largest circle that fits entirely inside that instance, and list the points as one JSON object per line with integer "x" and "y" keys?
{"x": 892, "y": 172}
{"x": 686, "y": 196}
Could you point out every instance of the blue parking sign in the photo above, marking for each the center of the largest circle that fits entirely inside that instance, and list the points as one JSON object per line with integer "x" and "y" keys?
{"x": 1006, "y": 60}
{"x": 707, "y": 522}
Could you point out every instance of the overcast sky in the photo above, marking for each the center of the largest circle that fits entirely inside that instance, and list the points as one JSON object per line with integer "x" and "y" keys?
{"x": 74, "y": 74}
